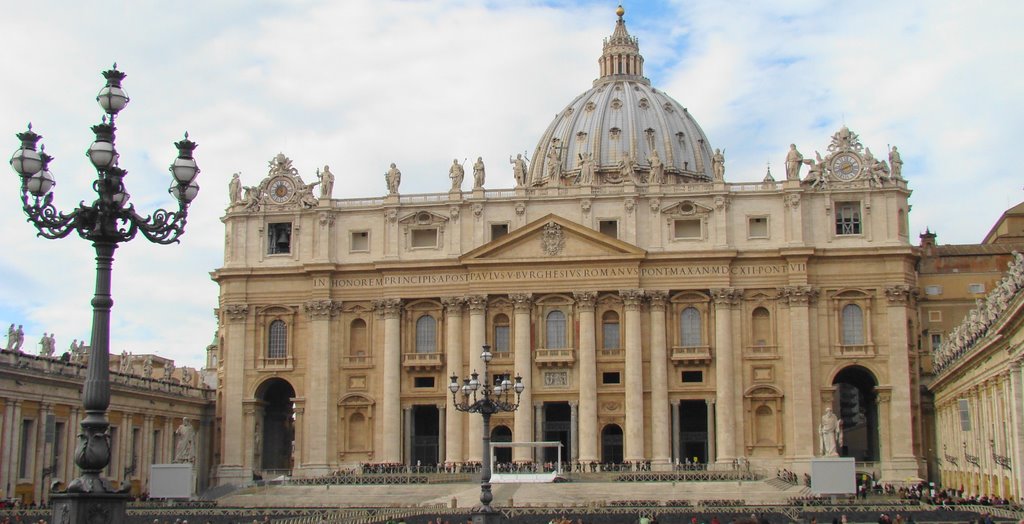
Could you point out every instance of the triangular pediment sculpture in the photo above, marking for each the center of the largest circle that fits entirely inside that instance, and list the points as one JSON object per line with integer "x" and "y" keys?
{"x": 553, "y": 238}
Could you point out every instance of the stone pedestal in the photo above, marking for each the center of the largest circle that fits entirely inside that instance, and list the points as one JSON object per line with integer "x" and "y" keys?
{"x": 89, "y": 508}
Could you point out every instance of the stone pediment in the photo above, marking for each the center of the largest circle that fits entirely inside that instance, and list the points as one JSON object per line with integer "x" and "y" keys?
{"x": 553, "y": 238}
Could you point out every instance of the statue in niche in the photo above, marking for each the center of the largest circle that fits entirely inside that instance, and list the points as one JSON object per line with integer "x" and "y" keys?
{"x": 831, "y": 433}
{"x": 235, "y": 189}
{"x": 518, "y": 169}
{"x": 793, "y": 162}
{"x": 393, "y": 177}
{"x": 478, "y": 173}
{"x": 326, "y": 182}
{"x": 586, "y": 163}
{"x": 896, "y": 164}
{"x": 718, "y": 165}
{"x": 657, "y": 175}
{"x": 457, "y": 173}
{"x": 184, "y": 451}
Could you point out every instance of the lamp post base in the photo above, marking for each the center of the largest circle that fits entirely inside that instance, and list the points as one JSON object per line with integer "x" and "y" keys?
{"x": 482, "y": 516}
{"x": 89, "y": 508}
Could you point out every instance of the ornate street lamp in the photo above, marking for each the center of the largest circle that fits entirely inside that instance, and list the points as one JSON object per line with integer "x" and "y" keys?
{"x": 108, "y": 221}
{"x": 492, "y": 399}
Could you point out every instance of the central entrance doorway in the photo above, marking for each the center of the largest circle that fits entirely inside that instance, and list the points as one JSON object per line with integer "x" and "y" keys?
{"x": 693, "y": 431}
{"x": 557, "y": 428}
{"x": 425, "y": 428}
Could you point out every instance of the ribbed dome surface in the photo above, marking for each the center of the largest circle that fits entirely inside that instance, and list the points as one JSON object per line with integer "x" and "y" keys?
{"x": 622, "y": 115}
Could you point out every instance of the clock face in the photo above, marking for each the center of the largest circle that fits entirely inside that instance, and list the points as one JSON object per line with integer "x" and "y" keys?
{"x": 281, "y": 190}
{"x": 846, "y": 166}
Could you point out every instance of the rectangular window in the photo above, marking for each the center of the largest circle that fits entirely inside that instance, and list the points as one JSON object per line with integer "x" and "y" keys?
{"x": 501, "y": 344}
{"x": 279, "y": 238}
{"x": 847, "y": 218}
{"x": 965, "y": 414}
{"x": 976, "y": 288}
{"x": 27, "y": 449}
{"x": 934, "y": 316}
{"x": 610, "y": 377}
{"x": 423, "y": 382}
{"x": 498, "y": 231}
{"x": 424, "y": 238}
{"x": 933, "y": 290}
{"x": 688, "y": 228}
{"x": 693, "y": 376}
{"x": 610, "y": 336}
{"x": 360, "y": 242}
{"x": 609, "y": 227}
{"x": 757, "y": 227}
{"x": 936, "y": 341}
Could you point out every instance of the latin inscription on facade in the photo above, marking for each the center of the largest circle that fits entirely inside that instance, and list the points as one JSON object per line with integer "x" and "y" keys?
{"x": 434, "y": 279}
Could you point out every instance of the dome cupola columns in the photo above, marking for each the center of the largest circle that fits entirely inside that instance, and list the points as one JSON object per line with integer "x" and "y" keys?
{"x": 620, "y": 57}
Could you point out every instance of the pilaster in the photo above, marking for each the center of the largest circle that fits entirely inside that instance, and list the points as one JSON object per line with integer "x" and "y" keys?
{"x": 801, "y": 379}
{"x": 321, "y": 407}
{"x": 233, "y": 468}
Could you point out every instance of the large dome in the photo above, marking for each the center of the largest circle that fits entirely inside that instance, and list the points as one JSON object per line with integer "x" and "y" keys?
{"x": 621, "y": 120}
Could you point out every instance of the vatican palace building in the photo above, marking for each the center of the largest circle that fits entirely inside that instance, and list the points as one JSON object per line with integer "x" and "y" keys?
{"x": 658, "y": 313}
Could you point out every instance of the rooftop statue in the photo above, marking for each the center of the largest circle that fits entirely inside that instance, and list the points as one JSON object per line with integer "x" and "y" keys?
{"x": 793, "y": 162}
{"x": 657, "y": 175}
{"x": 718, "y": 165}
{"x": 235, "y": 189}
{"x": 518, "y": 169}
{"x": 896, "y": 164}
{"x": 393, "y": 177}
{"x": 326, "y": 182}
{"x": 457, "y": 173}
{"x": 478, "y": 173}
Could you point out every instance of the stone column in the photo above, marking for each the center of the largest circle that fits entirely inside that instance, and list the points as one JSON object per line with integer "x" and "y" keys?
{"x": 407, "y": 435}
{"x": 523, "y": 422}
{"x": 453, "y": 425}
{"x": 233, "y": 467}
{"x": 574, "y": 434}
{"x": 442, "y": 419}
{"x": 901, "y": 437}
{"x": 5, "y": 452}
{"x": 321, "y": 408}
{"x": 14, "y": 462}
{"x": 634, "y": 446}
{"x": 660, "y": 438}
{"x": 1016, "y": 433}
{"x": 44, "y": 452}
{"x": 298, "y": 451}
{"x": 710, "y": 403}
{"x": 477, "y": 338}
{"x": 390, "y": 309}
{"x": 800, "y": 383}
{"x": 146, "y": 451}
{"x": 882, "y": 397}
{"x": 71, "y": 442}
{"x": 725, "y": 378}
{"x": 248, "y": 445}
{"x": 675, "y": 432}
{"x": 588, "y": 432}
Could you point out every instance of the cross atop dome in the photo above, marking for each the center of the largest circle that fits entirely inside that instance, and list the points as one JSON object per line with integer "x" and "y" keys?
{"x": 620, "y": 58}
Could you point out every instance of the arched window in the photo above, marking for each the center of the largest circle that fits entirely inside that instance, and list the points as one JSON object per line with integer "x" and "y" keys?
{"x": 426, "y": 334}
{"x": 277, "y": 346}
{"x": 357, "y": 338}
{"x": 555, "y": 325}
{"x": 501, "y": 342}
{"x": 761, "y": 327}
{"x": 610, "y": 330}
{"x": 689, "y": 328}
{"x": 853, "y": 325}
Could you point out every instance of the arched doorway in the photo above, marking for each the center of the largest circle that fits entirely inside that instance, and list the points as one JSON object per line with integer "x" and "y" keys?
{"x": 278, "y": 428}
{"x": 611, "y": 444}
{"x": 502, "y": 434}
{"x": 855, "y": 403}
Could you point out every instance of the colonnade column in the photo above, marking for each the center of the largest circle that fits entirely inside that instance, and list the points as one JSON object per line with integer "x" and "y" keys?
{"x": 801, "y": 407}
{"x": 390, "y": 309}
{"x": 299, "y": 412}
{"x": 477, "y": 338}
{"x": 538, "y": 430}
{"x": 1016, "y": 433}
{"x": 725, "y": 378}
{"x": 660, "y": 439}
{"x": 523, "y": 423}
{"x": 147, "y": 446}
{"x": 44, "y": 451}
{"x": 233, "y": 467}
{"x": 634, "y": 448}
{"x": 407, "y": 435}
{"x": 901, "y": 434}
{"x": 321, "y": 406}
{"x": 71, "y": 442}
{"x": 6, "y": 447}
{"x": 675, "y": 432}
{"x": 574, "y": 432}
{"x": 442, "y": 419}
{"x": 588, "y": 433}
{"x": 452, "y": 426}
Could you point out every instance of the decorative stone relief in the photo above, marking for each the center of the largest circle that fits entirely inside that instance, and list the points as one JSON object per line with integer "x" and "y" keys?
{"x": 900, "y": 294}
{"x": 721, "y": 203}
{"x": 326, "y": 219}
{"x": 611, "y": 406}
{"x": 657, "y": 299}
{"x": 726, "y": 296}
{"x": 391, "y": 215}
{"x": 556, "y": 378}
{"x": 632, "y": 298}
{"x": 792, "y": 200}
{"x": 585, "y": 205}
{"x": 629, "y": 204}
{"x": 478, "y": 210}
{"x": 553, "y": 239}
{"x": 585, "y": 299}
{"x": 798, "y": 295}
{"x": 521, "y": 301}
{"x": 453, "y": 212}
{"x": 655, "y": 205}
{"x": 476, "y": 303}
{"x": 453, "y": 305}
{"x": 321, "y": 309}
{"x": 520, "y": 208}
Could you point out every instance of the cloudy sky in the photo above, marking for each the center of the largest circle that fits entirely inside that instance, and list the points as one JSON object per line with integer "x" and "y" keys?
{"x": 359, "y": 84}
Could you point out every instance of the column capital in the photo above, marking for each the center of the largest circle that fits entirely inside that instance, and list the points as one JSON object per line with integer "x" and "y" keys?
{"x": 476, "y": 303}
{"x": 585, "y": 299}
{"x": 453, "y": 305}
{"x": 388, "y": 307}
{"x": 901, "y": 294}
{"x": 658, "y": 299}
{"x": 235, "y": 312}
{"x": 521, "y": 301}
{"x": 632, "y": 298}
{"x": 321, "y": 309}
{"x": 883, "y": 396}
{"x": 726, "y": 296}
{"x": 798, "y": 295}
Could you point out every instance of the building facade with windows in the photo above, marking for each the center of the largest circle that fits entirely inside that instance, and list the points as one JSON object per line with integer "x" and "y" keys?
{"x": 656, "y": 311}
